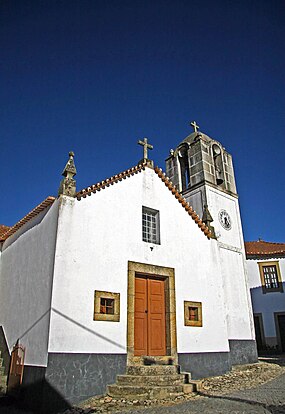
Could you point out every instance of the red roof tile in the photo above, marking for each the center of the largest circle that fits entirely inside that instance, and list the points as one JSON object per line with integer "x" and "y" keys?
{"x": 42, "y": 206}
{"x": 264, "y": 250}
{"x": 3, "y": 229}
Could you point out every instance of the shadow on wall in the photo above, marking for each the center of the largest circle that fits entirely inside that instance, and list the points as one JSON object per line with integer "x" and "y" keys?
{"x": 44, "y": 389}
{"x": 269, "y": 318}
{"x": 270, "y": 301}
{"x": 38, "y": 397}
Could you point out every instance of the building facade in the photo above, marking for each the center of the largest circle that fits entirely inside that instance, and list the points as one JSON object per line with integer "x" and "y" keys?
{"x": 266, "y": 273}
{"x": 94, "y": 281}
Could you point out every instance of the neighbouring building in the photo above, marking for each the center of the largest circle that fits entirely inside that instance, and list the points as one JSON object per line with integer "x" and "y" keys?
{"x": 94, "y": 280}
{"x": 266, "y": 274}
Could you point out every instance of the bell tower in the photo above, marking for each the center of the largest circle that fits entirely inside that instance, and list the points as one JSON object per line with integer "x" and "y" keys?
{"x": 202, "y": 170}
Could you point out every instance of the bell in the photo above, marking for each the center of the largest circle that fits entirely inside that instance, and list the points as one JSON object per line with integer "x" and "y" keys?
{"x": 219, "y": 176}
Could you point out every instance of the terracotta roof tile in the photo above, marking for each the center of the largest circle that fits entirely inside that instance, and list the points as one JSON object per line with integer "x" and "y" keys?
{"x": 264, "y": 250}
{"x": 123, "y": 175}
{"x": 183, "y": 202}
{"x": 109, "y": 181}
{"x": 3, "y": 229}
{"x": 42, "y": 206}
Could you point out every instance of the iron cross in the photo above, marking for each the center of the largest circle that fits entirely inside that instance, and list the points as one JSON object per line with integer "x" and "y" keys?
{"x": 146, "y": 146}
{"x": 195, "y": 126}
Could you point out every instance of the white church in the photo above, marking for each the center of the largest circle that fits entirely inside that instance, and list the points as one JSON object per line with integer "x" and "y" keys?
{"x": 143, "y": 266}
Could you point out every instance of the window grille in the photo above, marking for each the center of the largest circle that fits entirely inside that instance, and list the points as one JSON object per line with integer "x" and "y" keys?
{"x": 150, "y": 225}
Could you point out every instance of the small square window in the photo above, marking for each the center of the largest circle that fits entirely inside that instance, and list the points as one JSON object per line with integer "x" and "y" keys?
{"x": 106, "y": 306}
{"x": 150, "y": 225}
{"x": 192, "y": 313}
{"x": 270, "y": 277}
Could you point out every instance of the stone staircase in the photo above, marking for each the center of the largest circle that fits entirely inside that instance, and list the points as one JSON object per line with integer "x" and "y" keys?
{"x": 3, "y": 377}
{"x": 155, "y": 381}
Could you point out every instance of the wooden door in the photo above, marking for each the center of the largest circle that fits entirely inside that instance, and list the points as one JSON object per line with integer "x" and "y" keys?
{"x": 149, "y": 328}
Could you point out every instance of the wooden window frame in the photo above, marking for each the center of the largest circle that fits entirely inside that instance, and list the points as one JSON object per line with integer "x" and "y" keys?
{"x": 98, "y": 316}
{"x": 190, "y": 304}
{"x": 261, "y": 265}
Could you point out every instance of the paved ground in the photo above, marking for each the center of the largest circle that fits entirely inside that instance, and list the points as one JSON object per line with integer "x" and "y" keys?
{"x": 266, "y": 398}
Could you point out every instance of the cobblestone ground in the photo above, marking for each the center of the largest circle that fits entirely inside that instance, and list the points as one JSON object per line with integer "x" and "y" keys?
{"x": 266, "y": 398}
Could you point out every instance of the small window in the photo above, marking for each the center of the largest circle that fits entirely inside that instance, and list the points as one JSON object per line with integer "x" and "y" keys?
{"x": 192, "y": 313}
{"x": 270, "y": 277}
{"x": 106, "y": 306}
{"x": 150, "y": 225}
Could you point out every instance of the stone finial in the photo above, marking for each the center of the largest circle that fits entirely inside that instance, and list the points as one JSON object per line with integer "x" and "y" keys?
{"x": 207, "y": 219}
{"x": 68, "y": 184}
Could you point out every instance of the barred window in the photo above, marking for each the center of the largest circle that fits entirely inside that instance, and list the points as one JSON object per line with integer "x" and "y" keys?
{"x": 270, "y": 276}
{"x": 107, "y": 306}
{"x": 150, "y": 225}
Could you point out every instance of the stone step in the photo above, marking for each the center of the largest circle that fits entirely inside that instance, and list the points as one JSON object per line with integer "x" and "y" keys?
{"x": 153, "y": 360}
{"x": 156, "y": 380}
{"x": 153, "y": 370}
{"x": 148, "y": 392}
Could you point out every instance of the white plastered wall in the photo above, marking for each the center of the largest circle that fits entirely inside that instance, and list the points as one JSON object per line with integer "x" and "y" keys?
{"x": 25, "y": 285}
{"x": 97, "y": 236}
{"x": 233, "y": 263}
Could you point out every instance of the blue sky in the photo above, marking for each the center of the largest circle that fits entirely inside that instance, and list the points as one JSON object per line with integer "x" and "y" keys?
{"x": 96, "y": 76}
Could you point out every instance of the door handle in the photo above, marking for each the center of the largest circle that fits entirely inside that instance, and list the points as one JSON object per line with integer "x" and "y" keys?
{"x": 146, "y": 311}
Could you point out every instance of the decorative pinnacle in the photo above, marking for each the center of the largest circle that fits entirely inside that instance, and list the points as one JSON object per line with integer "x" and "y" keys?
{"x": 69, "y": 170}
{"x": 207, "y": 219}
{"x": 146, "y": 146}
{"x": 68, "y": 184}
{"x": 195, "y": 126}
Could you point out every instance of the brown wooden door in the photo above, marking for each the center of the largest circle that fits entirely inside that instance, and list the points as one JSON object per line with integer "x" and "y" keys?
{"x": 149, "y": 317}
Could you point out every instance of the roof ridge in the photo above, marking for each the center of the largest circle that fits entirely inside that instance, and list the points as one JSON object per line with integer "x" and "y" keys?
{"x": 39, "y": 208}
{"x": 263, "y": 241}
{"x": 203, "y": 227}
{"x": 110, "y": 181}
{"x": 134, "y": 170}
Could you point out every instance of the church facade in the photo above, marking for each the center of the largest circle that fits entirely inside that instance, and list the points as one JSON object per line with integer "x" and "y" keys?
{"x": 97, "y": 280}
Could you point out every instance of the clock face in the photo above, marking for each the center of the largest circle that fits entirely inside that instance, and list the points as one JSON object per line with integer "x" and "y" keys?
{"x": 225, "y": 220}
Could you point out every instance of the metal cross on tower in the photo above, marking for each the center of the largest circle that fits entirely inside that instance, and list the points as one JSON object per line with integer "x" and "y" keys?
{"x": 146, "y": 146}
{"x": 195, "y": 126}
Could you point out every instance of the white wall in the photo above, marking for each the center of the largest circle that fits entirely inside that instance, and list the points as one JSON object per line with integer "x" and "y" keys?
{"x": 25, "y": 285}
{"x": 233, "y": 262}
{"x": 96, "y": 238}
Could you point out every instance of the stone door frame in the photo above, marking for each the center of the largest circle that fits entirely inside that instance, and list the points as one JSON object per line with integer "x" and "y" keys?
{"x": 160, "y": 272}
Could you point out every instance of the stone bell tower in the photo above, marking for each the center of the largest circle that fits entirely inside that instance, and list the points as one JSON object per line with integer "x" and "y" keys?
{"x": 202, "y": 170}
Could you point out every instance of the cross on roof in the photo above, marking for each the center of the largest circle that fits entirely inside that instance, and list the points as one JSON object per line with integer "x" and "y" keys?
{"x": 146, "y": 146}
{"x": 195, "y": 126}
